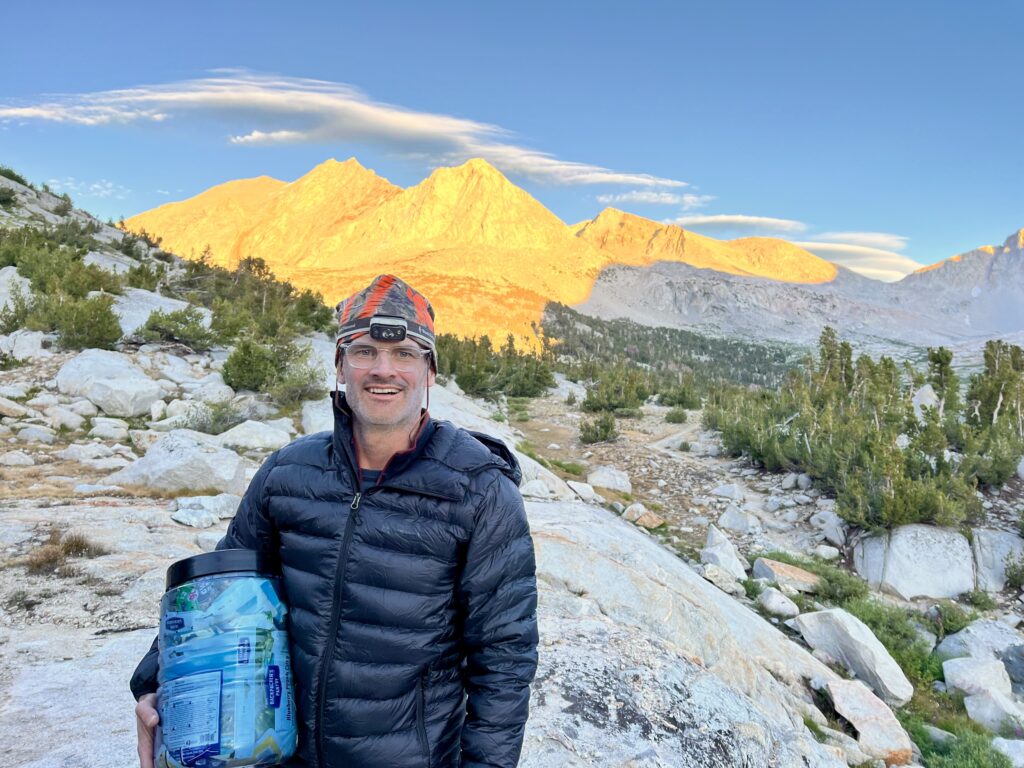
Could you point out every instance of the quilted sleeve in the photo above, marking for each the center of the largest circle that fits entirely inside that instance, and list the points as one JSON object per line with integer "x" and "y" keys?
{"x": 498, "y": 597}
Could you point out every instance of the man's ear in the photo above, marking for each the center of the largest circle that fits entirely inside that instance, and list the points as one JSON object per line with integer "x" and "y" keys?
{"x": 340, "y": 374}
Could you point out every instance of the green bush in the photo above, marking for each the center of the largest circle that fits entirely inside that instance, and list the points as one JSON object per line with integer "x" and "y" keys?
{"x": 214, "y": 418}
{"x": 7, "y": 198}
{"x": 676, "y": 416}
{"x": 982, "y": 600}
{"x": 13, "y": 175}
{"x": 144, "y": 276}
{"x": 598, "y": 429}
{"x": 970, "y": 750}
{"x": 63, "y": 208}
{"x": 184, "y": 326}
{"x": 87, "y": 323}
{"x": 628, "y": 413}
{"x": 251, "y": 366}
{"x": 684, "y": 446}
{"x": 948, "y": 618}
{"x": 300, "y": 380}
{"x": 1014, "y": 571}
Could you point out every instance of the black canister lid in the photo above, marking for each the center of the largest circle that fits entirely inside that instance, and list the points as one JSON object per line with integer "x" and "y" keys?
{"x": 221, "y": 561}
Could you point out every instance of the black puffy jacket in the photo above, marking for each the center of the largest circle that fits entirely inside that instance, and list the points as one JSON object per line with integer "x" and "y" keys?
{"x": 412, "y": 605}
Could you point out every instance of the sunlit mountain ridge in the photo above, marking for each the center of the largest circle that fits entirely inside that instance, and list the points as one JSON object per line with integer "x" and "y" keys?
{"x": 488, "y": 254}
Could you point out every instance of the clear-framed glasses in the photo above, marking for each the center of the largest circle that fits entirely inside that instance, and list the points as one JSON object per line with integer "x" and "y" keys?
{"x": 404, "y": 359}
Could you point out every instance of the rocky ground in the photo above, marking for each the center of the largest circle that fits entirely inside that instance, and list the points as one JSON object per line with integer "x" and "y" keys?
{"x": 652, "y": 653}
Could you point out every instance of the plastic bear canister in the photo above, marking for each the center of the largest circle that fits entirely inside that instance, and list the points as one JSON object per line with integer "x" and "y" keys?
{"x": 225, "y": 695}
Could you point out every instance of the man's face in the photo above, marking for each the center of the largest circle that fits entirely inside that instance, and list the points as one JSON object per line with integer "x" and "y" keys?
{"x": 381, "y": 395}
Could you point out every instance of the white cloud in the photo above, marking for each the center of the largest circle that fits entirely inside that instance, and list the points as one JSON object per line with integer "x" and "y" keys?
{"x": 688, "y": 201}
{"x": 883, "y": 240}
{"x": 102, "y": 189}
{"x": 291, "y": 110}
{"x": 739, "y": 221}
{"x": 876, "y": 263}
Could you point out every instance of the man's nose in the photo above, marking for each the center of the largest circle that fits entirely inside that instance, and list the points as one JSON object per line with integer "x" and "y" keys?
{"x": 383, "y": 364}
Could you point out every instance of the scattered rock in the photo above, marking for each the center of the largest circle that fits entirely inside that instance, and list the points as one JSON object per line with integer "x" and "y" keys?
{"x": 179, "y": 462}
{"x": 848, "y": 640}
{"x": 16, "y": 459}
{"x": 83, "y": 451}
{"x": 13, "y": 409}
{"x": 985, "y": 638}
{"x": 37, "y": 434}
{"x": 879, "y": 733}
{"x": 777, "y": 604}
{"x": 736, "y": 520}
{"x": 536, "y": 489}
{"x": 789, "y": 481}
{"x": 1012, "y": 748}
{"x": 803, "y": 481}
{"x": 917, "y": 561}
{"x": 972, "y": 674}
{"x": 995, "y": 711}
{"x": 111, "y": 381}
{"x": 786, "y": 575}
{"x": 254, "y": 435}
{"x": 729, "y": 491}
{"x": 585, "y": 491}
{"x": 610, "y": 478}
{"x": 27, "y": 345}
{"x": 722, "y": 579}
{"x": 991, "y": 550}
{"x": 825, "y": 552}
{"x": 718, "y": 550}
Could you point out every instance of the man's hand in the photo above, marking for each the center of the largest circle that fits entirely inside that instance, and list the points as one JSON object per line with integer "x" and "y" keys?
{"x": 146, "y": 718}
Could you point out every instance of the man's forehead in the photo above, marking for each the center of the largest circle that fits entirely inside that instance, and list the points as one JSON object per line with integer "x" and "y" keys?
{"x": 366, "y": 341}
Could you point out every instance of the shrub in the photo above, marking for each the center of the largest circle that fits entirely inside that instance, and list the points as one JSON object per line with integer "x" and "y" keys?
{"x": 982, "y": 600}
{"x": 676, "y": 416}
{"x": 144, "y": 276}
{"x": 599, "y": 429}
{"x": 570, "y": 399}
{"x": 628, "y": 413}
{"x": 947, "y": 618}
{"x": 13, "y": 175}
{"x": 87, "y": 323}
{"x": 183, "y": 325}
{"x": 970, "y": 750}
{"x": 301, "y": 380}
{"x": 7, "y": 197}
{"x": 684, "y": 446}
{"x": 1014, "y": 571}
{"x": 63, "y": 208}
{"x": 569, "y": 467}
{"x": 214, "y": 418}
{"x": 250, "y": 366}
{"x": 78, "y": 545}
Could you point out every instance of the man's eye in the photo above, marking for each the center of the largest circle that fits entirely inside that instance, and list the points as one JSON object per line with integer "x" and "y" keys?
{"x": 366, "y": 353}
{"x": 405, "y": 354}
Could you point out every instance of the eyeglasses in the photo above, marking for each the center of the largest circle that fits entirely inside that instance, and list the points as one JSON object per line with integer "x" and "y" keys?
{"x": 404, "y": 359}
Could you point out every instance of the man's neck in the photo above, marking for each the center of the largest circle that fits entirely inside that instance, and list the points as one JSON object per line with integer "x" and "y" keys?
{"x": 376, "y": 447}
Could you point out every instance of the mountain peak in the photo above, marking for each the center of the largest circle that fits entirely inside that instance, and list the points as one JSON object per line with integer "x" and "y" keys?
{"x": 1015, "y": 242}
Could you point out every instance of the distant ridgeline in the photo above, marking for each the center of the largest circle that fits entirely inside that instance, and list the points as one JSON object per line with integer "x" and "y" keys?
{"x": 895, "y": 444}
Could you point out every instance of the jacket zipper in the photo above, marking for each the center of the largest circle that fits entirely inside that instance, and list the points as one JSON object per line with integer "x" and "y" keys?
{"x": 339, "y": 573}
{"x": 421, "y": 714}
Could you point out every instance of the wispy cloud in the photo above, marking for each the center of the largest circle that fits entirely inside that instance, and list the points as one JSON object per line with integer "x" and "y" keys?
{"x": 282, "y": 110}
{"x": 102, "y": 189}
{"x": 689, "y": 201}
{"x": 738, "y": 221}
{"x": 876, "y": 263}
{"x": 883, "y": 240}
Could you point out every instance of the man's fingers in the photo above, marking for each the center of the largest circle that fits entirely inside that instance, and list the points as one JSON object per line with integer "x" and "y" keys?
{"x": 146, "y": 719}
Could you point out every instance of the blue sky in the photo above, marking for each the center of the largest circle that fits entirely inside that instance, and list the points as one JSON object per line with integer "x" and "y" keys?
{"x": 880, "y": 132}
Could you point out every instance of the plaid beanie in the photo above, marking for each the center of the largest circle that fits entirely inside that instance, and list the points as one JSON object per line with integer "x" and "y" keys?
{"x": 387, "y": 297}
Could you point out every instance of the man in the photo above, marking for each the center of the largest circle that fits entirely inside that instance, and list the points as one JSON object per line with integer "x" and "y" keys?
{"x": 407, "y": 565}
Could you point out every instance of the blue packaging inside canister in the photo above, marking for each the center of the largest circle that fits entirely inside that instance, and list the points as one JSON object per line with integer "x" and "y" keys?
{"x": 225, "y": 696}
